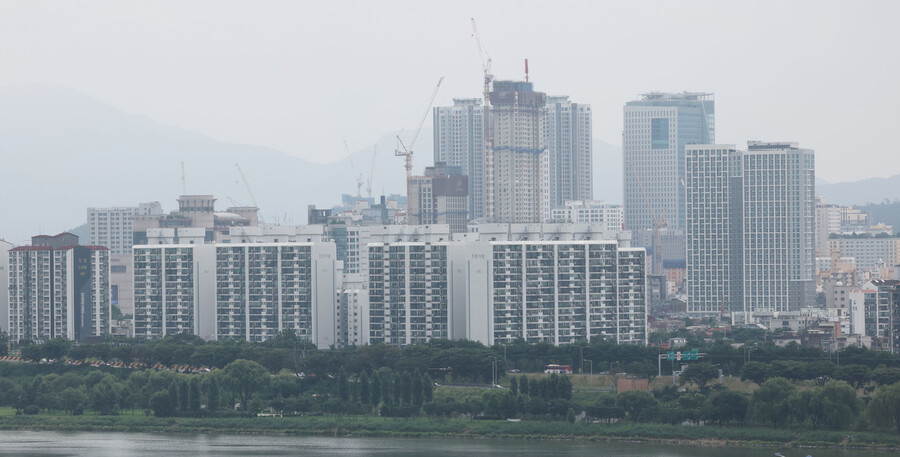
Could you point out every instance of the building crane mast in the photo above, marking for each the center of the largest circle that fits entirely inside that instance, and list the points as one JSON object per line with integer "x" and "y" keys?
{"x": 372, "y": 172}
{"x": 487, "y": 131}
{"x": 252, "y": 198}
{"x": 358, "y": 174}
{"x": 407, "y": 152}
{"x": 659, "y": 222}
{"x": 183, "y": 180}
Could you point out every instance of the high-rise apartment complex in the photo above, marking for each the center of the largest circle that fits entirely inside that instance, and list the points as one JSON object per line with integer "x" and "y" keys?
{"x": 527, "y": 121}
{"x": 246, "y": 291}
{"x": 517, "y": 165}
{"x": 112, "y": 227}
{"x": 459, "y": 141}
{"x": 408, "y": 293}
{"x": 58, "y": 288}
{"x": 750, "y": 232}
{"x": 550, "y": 289}
{"x": 439, "y": 197}
{"x": 5, "y": 246}
{"x": 657, "y": 129}
{"x": 568, "y": 137}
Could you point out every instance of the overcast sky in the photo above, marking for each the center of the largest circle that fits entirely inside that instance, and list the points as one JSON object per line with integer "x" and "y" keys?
{"x": 303, "y": 76}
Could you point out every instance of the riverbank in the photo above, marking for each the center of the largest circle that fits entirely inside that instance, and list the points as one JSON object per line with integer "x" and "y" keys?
{"x": 367, "y": 426}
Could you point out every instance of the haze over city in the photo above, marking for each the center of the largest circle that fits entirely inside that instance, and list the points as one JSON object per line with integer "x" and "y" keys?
{"x": 301, "y": 77}
{"x": 450, "y": 227}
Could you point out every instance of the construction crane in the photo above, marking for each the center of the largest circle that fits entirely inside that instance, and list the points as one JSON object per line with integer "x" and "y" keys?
{"x": 234, "y": 204}
{"x": 359, "y": 175}
{"x": 407, "y": 152}
{"x": 183, "y": 180}
{"x": 252, "y": 198}
{"x": 659, "y": 222}
{"x": 485, "y": 60}
{"x": 372, "y": 172}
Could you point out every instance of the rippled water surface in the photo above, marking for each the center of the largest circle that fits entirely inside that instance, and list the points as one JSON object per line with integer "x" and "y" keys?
{"x": 148, "y": 444}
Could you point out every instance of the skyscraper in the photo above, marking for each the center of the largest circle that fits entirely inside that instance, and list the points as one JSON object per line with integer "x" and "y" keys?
{"x": 517, "y": 166}
{"x": 459, "y": 141}
{"x": 439, "y": 197}
{"x": 750, "y": 228}
{"x": 657, "y": 129}
{"x": 567, "y": 137}
{"x": 713, "y": 263}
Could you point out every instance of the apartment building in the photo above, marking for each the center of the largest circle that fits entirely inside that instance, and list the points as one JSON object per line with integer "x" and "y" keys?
{"x": 58, "y": 288}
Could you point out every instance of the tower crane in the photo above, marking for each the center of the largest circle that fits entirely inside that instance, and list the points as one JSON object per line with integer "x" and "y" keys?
{"x": 659, "y": 222}
{"x": 488, "y": 133}
{"x": 183, "y": 180}
{"x": 407, "y": 152}
{"x": 252, "y": 198}
{"x": 372, "y": 172}
{"x": 359, "y": 175}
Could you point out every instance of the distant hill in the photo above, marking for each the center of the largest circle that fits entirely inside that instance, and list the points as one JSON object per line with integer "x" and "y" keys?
{"x": 871, "y": 190}
{"x": 63, "y": 151}
{"x": 886, "y": 212}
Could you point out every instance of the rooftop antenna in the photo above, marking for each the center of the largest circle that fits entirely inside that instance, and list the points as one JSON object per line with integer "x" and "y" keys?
{"x": 526, "y": 70}
{"x": 183, "y": 180}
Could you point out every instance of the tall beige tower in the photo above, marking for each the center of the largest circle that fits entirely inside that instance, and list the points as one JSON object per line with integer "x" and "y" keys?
{"x": 517, "y": 165}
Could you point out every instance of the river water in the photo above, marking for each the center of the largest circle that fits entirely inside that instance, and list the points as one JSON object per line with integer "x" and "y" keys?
{"x": 34, "y": 444}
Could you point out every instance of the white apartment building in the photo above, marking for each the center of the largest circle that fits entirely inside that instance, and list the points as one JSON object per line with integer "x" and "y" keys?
{"x": 408, "y": 292}
{"x": 750, "y": 230}
{"x": 555, "y": 283}
{"x": 590, "y": 212}
{"x": 248, "y": 291}
{"x": 5, "y": 246}
{"x": 352, "y": 310}
{"x": 58, "y": 288}
{"x": 869, "y": 252}
{"x": 568, "y": 140}
{"x": 459, "y": 141}
{"x": 112, "y": 227}
{"x": 549, "y": 291}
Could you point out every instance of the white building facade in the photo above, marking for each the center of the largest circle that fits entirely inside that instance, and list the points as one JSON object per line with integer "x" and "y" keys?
{"x": 58, "y": 289}
{"x": 245, "y": 291}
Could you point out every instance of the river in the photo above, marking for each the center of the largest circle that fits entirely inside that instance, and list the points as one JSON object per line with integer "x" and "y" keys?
{"x": 40, "y": 444}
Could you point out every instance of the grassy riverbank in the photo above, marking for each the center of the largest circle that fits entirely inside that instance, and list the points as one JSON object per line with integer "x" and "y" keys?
{"x": 367, "y": 426}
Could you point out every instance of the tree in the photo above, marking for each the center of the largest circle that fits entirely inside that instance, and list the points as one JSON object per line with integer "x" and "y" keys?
{"x": 725, "y": 406}
{"x": 428, "y": 388}
{"x": 343, "y": 386}
{"x": 884, "y": 408}
{"x": 771, "y": 402}
{"x": 376, "y": 389}
{"x": 364, "y": 388}
{"x": 856, "y": 375}
{"x": 700, "y": 374}
{"x": 418, "y": 389}
{"x": 639, "y": 405}
{"x": 757, "y": 372}
{"x": 523, "y": 385}
{"x": 212, "y": 393}
{"x": 55, "y": 348}
{"x": 838, "y": 403}
{"x": 73, "y": 399}
{"x": 514, "y": 385}
{"x": 162, "y": 404}
{"x": 194, "y": 395}
{"x": 244, "y": 378}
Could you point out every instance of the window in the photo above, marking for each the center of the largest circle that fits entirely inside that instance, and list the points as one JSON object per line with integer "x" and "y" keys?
{"x": 659, "y": 133}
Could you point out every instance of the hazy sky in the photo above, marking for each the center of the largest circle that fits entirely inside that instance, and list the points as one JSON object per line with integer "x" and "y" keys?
{"x": 303, "y": 76}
